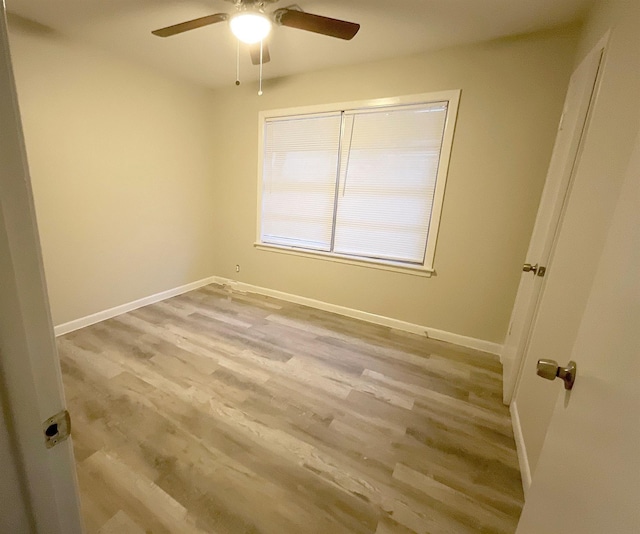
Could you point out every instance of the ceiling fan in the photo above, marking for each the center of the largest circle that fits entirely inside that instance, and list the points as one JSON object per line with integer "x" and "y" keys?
{"x": 252, "y": 25}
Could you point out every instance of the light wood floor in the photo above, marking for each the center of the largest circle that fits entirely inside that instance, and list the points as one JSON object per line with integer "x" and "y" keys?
{"x": 223, "y": 412}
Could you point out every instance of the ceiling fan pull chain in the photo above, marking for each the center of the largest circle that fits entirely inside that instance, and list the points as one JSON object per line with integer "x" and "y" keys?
{"x": 260, "y": 87}
{"x": 237, "y": 61}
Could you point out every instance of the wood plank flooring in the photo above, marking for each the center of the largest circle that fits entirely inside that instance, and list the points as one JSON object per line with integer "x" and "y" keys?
{"x": 223, "y": 412}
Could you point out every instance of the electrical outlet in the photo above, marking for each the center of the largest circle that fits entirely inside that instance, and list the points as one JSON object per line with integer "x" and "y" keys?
{"x": 237, "y": 268}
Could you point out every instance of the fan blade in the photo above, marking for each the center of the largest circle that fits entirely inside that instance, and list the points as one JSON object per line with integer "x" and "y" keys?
{"x": 317, "y": 24}
{"x": 190, "y": 25}
{"x": 254, "y": 50}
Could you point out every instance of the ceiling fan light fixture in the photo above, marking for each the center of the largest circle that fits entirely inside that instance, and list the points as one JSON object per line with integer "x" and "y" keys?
{"x": 250, "y": 28}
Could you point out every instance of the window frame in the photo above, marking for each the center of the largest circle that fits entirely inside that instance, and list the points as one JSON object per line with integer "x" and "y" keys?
{"x": 427, "y": 267}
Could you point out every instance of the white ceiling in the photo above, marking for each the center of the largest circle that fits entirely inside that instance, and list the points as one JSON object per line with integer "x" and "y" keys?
{"x": 389, "y": 28}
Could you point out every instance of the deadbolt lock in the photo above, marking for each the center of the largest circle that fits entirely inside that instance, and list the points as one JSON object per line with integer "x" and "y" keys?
{"x": 550, "y": 370}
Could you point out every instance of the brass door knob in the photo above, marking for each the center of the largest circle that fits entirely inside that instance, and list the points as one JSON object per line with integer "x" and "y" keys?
{"x": 550, "y": 370}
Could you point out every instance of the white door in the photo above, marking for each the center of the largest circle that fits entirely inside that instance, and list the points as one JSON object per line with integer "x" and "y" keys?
{"x": 554, "y": 196}
{"x": 588, "y": 476}
{"x": 28, "y": 358}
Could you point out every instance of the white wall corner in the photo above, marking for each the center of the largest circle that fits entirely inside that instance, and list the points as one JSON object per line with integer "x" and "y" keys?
{"x": 76, "y": 324}
{"x": 521, "y": 449}
{"x": 433, "y": 333}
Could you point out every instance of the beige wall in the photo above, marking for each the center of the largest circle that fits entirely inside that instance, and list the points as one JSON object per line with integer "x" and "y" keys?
{"x": 512, "y": 94}
{"x": 608, "y": 146}
{"x": 144, "y": 184}
{"x": 122, "y": 171}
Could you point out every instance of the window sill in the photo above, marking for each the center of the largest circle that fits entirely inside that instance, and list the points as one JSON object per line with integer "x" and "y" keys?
{"x": 372, "y": 264}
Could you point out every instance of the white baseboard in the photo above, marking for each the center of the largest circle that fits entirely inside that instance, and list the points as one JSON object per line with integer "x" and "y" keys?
{"x": 433, "y": 333}
{"x": 523, "y": 459}
{"x": 76, "y": 324}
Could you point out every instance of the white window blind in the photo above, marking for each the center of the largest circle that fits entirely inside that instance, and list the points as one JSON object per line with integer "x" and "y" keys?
{"x": 362, "y": 183}
{"x": 389, "y": 167}
{"x": 299, "y": 180}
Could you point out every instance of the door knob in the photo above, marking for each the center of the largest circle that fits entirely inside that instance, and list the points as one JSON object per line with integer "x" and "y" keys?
{"x": 535, "y": 269}
{"x": 550, "y": 370}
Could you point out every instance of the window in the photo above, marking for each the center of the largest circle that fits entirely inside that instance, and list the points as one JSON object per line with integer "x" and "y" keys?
{"x": 358, "y": 182}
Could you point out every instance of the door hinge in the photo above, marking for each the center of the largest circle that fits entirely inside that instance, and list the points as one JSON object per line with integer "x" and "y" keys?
{"x": 56, "y": 429}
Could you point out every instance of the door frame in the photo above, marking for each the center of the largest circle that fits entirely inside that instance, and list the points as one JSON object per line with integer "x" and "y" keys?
{"x": 550, "y": 216}
{"x": 28, "y": 358}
